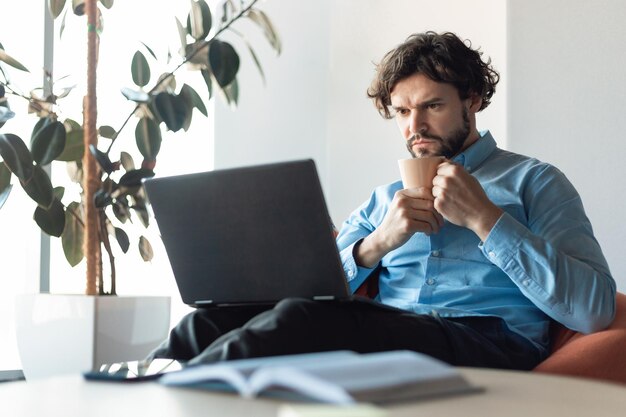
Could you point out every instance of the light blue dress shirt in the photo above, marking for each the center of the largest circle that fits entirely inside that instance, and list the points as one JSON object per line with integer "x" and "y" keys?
{"x": 540, "y": 260}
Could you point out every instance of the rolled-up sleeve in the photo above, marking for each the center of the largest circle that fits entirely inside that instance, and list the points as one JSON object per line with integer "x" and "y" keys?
{"x": 359, "y": 225}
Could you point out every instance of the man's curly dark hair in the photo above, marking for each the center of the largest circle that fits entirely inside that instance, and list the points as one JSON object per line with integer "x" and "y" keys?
{"x": 442, "y": 58}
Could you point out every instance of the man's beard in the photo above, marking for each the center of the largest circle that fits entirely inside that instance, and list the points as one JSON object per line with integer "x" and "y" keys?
{"x": 450, "y": 145}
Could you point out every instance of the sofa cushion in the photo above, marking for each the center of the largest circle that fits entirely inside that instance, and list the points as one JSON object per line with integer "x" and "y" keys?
{"x": 600, "y": 355}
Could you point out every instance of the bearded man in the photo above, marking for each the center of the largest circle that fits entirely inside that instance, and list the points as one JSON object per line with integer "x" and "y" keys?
{"x": 471, "y": 270}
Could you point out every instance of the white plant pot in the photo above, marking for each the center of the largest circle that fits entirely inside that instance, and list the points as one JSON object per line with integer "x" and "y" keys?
{"x": 61, "y": 334}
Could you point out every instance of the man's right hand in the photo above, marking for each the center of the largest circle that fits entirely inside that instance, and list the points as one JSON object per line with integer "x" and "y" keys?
{"x": 411, "y": 211}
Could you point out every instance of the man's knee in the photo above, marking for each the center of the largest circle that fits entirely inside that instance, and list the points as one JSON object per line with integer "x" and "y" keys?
{"x": 302, "y": 311}
{"x": 294, "y": 305}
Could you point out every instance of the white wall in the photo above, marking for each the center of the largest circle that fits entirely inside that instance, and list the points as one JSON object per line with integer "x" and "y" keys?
{"x": 286, "y": 118}
{"x": 567, "y": 99}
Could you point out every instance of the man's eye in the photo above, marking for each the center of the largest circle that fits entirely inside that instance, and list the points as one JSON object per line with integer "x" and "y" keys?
{"x": 434, "y": 106}
{"x": 402, "y": 112}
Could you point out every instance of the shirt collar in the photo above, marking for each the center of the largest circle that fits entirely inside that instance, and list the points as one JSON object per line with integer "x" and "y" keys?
{"x": 473, "y": 156}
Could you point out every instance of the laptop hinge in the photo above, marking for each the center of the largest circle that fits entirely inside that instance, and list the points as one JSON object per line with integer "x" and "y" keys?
{"x": 324, "y": 297}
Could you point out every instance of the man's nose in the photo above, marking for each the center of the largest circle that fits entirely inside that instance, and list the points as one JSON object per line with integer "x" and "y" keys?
{"x": 417, "y": 122}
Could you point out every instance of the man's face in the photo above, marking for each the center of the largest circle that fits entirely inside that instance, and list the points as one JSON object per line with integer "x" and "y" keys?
{"x": 431, "y": 116}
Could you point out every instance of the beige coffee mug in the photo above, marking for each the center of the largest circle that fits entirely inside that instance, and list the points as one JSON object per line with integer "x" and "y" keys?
{"x": 419, "y": 172}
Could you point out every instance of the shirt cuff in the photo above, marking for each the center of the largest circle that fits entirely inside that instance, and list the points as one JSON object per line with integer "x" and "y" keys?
{"x": 355, "y": 274}
{"x": 504, "y": 240}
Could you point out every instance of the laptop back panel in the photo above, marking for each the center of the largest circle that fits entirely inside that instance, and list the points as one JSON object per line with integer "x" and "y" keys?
{"x": 249, "y": 235}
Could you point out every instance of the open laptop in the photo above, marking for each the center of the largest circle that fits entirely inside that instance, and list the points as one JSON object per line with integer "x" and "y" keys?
{"x": 251, "y": 235}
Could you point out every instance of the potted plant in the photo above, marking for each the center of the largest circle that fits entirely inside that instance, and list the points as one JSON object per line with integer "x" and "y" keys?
{"x": 111, "y": 182}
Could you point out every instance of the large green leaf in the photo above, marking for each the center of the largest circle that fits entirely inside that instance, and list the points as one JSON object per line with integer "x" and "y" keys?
{"x": 206, "y": 75}
{"x": 165, "y": 82}
{"x": 102, "y": 198}
{"x": 107, "y": 131}
{"x": 256, "y": 61}
{"x": 39, "y": 187}
{"x": 142, "y": 214}
{"x": 228, "y": 9}
{"x": 58, "y": 192}
{"x": 72, "y": 239}
{"x": 150, "y": 110}
{"x": 79, "y": 7}
{"x": 7, "y": 59}
{"x": 16, "y": 156}
{"x": 62, "y": 26}
{"x": 127, "y": 161}
{"x": 47, "y": 141}
{"x": 107, "y": 3}
{"x": 122, "y": 239}
{"x": 148, "y": 138}
{"x": 197, "y": 54}
{"x": 121, "y": 210}
{"x": 5, "y": 183}
{"x": 74, "y": 147}
{"x": 261, "y": 19}
{"x": 149, "y": 50}
{"x": 145, "y": 249}
{"x": 140, "y": 69}
{"x": 224, "y": 62}
{"x": 71, "y": 125}
{"x": 51, "y": 220}
{"x": 4, "y": 194}
{"x": 199, "y": 20}
{"x": 56, "y": 7}
{"x": 188, "y": 98}
{"x": 102, "y": 158}
{"x": 133, "y": 178}
{"x": 140, "y": 207}
{"x": 196, "y": 101}
{"x": 41, "y": 123}
{"x": 173, "y": 110}
{"x": 231, "y": 93}
{"x": 182, "y": 35}
{"x": 5, "y": 176}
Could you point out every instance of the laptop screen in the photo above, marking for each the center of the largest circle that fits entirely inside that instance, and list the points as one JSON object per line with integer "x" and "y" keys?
{"x": 248, "y": 235}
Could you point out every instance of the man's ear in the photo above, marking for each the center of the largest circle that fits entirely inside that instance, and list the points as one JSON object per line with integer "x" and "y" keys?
{"x": 475, "y": 103}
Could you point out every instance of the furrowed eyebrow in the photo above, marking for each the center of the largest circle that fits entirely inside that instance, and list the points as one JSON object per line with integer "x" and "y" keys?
{"x": 435, "y": 100}
{"x": 426, "y": 103}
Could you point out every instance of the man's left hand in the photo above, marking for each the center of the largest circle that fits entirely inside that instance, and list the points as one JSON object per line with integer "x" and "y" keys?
{"x": 461, "y": 200}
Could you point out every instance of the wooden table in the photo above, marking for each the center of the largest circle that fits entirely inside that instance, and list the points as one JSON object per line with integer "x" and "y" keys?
{"x": 506, "y": 394}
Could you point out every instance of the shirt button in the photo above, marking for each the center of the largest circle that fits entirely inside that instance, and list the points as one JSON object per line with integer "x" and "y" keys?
{"x": 430, "y": 281}
{"x": 435, "y": 253}
{"x": 526, "y": 282}
{"x": 492, "y": 255}
{"x": 350, "y": 273}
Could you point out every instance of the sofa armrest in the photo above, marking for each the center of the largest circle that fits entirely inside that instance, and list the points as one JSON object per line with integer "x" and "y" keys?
{"x": 600, "y": 355}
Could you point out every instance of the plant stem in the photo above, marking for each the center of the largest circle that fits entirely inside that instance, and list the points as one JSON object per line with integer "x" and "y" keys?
{"x": 73, "y": 213}
{"x": 104, "y": 237}
{"x": 91, "y": 179}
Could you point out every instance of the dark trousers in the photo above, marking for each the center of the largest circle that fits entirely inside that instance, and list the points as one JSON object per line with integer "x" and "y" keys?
{"x": 299, "y": 326}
